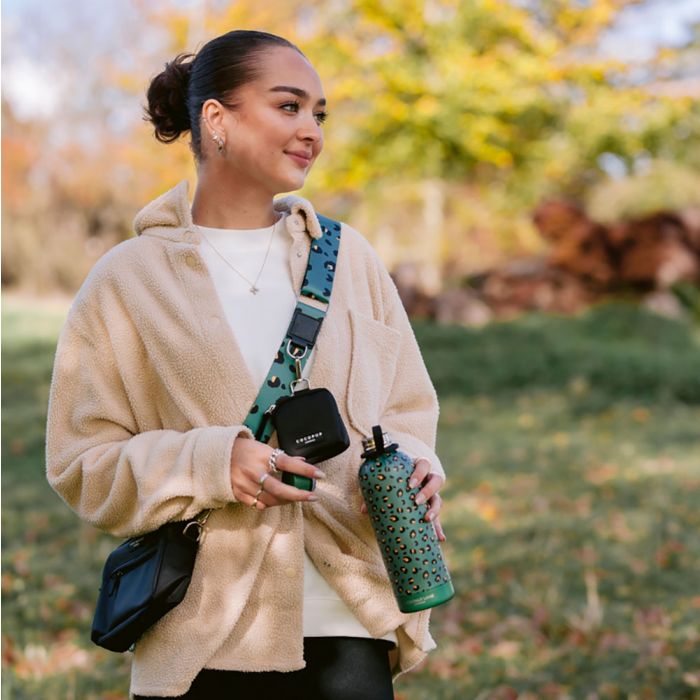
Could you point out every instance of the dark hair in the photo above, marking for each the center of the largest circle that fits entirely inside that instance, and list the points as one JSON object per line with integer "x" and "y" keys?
{"x": 175, "y": 96}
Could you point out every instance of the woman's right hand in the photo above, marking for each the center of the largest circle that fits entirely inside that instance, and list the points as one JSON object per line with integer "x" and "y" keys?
{"x": 250, "y": 460}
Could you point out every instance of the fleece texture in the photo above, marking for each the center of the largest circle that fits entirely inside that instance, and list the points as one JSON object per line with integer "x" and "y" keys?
{"x": 148, "y": 393}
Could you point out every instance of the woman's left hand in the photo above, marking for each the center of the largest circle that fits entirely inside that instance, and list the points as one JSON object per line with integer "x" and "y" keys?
{"x": 431, "y": 484}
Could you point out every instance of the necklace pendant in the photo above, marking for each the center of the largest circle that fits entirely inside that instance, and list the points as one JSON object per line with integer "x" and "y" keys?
{"x": 254, "y": 289}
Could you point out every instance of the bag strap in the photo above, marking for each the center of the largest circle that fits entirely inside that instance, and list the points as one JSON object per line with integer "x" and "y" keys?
{"x": 303, "y": 329}
{"x": 298, "y": 341}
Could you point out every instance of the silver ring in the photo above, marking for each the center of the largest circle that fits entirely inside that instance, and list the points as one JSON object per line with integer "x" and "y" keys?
{"x": 254, "y": 504}
{"x": 262, "y": 478}
{"x": 272, "y": 461}
{"x": 260, "y": 490}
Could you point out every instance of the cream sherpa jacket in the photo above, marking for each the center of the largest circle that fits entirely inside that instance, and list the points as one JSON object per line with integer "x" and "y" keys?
{"x": 148, "y": 394}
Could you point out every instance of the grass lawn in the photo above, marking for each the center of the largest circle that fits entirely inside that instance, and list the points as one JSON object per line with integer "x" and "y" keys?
{"x": 572, "y": 512}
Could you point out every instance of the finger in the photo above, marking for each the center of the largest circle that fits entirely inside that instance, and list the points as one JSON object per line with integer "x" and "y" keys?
{"x": 286, "y": 493}
{"x": 430, "y": 487}
{"x": 298, "y": 465}
{"x": 265, "y": 499}
{"x": 269, "y": 500}
{"x": 435, "y": 504}
{"x": 439, "y": 531}
{"x": 270, "y": 493}
{"x": 421, "y": 467}
{"x": 253, "y": 502}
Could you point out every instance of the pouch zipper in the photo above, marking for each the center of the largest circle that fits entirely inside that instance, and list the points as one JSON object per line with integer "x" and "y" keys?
{"x": 116, "y": 575}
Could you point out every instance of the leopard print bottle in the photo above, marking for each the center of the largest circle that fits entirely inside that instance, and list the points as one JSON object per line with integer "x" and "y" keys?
{"x": 408, "y": 543}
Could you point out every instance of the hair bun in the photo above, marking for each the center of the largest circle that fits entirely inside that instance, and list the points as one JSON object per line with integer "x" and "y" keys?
{"x": 167, "y": 99}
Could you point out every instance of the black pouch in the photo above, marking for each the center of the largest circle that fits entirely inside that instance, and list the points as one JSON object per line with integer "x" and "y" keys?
{"x": 309, "y": 425}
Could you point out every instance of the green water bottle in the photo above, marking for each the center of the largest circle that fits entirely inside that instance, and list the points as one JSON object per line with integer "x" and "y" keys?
{"x": 408, "y": 543}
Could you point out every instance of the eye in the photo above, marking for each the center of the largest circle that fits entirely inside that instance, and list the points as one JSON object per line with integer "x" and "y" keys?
{"x": 293, "y": 108}
{"x": 293, "y": 105}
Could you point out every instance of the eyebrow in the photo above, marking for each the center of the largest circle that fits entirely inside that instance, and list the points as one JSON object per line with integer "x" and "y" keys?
{"x": 296, "y": 91}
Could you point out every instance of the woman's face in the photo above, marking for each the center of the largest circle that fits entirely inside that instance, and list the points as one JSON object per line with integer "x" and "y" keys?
{"x": 274, "y": 135}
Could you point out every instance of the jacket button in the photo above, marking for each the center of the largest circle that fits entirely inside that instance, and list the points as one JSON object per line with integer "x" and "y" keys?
{"x": 191, "y": 260}
{"x": 298, "y": 254}
{"x": 290, "y": 571}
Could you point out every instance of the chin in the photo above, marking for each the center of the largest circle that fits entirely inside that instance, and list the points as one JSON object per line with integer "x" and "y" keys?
{"x": 292, "y": 184}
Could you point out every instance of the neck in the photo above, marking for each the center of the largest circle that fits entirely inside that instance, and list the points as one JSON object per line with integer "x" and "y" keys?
{"x": 222, "y": 201}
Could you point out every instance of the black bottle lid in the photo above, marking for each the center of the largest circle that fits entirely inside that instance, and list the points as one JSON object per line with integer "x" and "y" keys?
{"x": 378, "y": 444}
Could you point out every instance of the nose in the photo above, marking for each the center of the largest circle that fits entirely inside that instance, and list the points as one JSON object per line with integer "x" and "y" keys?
{"x": 310, "y": 130}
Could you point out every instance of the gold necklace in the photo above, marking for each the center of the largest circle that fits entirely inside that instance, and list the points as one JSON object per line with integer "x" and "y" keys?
{"x": 254, "y": 289}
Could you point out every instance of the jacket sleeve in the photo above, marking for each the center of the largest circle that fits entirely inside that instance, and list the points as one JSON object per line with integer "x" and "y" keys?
{"x": 411, "y": 412}
{"x": 121, "y": 480}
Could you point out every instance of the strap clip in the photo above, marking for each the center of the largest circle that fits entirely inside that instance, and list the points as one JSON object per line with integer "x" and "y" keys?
{"x": 303, "y": 329}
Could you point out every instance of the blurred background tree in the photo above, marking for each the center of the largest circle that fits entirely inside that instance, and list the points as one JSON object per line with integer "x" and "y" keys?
{"x": 450, "y": 120}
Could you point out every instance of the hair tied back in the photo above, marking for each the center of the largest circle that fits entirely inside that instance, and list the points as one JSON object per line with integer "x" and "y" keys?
{"x": 167, "y": 99}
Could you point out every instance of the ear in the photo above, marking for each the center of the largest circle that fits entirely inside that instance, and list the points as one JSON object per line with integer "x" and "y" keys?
{"x": 213, "y": 114}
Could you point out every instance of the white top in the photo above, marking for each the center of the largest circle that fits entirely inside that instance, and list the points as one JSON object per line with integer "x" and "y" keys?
{"x": 259, "y": 322}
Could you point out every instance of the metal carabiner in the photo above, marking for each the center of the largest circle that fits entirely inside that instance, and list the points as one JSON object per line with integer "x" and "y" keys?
{"x": 196, "y": 524}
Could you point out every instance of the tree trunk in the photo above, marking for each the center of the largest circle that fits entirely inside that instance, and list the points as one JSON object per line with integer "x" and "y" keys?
{"x": 430, "y": 239}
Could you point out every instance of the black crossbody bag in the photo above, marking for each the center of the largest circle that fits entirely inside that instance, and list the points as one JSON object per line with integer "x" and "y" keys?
{"x": 143, "y": 579}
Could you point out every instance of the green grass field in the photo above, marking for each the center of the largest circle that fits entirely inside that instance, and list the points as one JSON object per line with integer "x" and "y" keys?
{"x": 572, "y": 512}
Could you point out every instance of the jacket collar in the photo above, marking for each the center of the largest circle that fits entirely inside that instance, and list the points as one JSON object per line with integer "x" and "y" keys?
{"x": 170, "y": 216}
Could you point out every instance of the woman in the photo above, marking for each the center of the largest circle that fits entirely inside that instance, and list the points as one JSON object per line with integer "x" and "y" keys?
{"x": 161, "y": 358}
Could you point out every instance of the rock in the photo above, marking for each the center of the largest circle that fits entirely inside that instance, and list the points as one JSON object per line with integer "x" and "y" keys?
{"x": 654, "y": 251}
{"x": 663, "y": 303}
{"x": 461, "y": 306}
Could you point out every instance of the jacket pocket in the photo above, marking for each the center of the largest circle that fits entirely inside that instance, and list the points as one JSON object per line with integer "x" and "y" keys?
{"x": 373, "y": 361}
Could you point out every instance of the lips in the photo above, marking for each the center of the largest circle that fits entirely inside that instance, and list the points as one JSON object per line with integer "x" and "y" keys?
{"x": 302, "y": 159}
